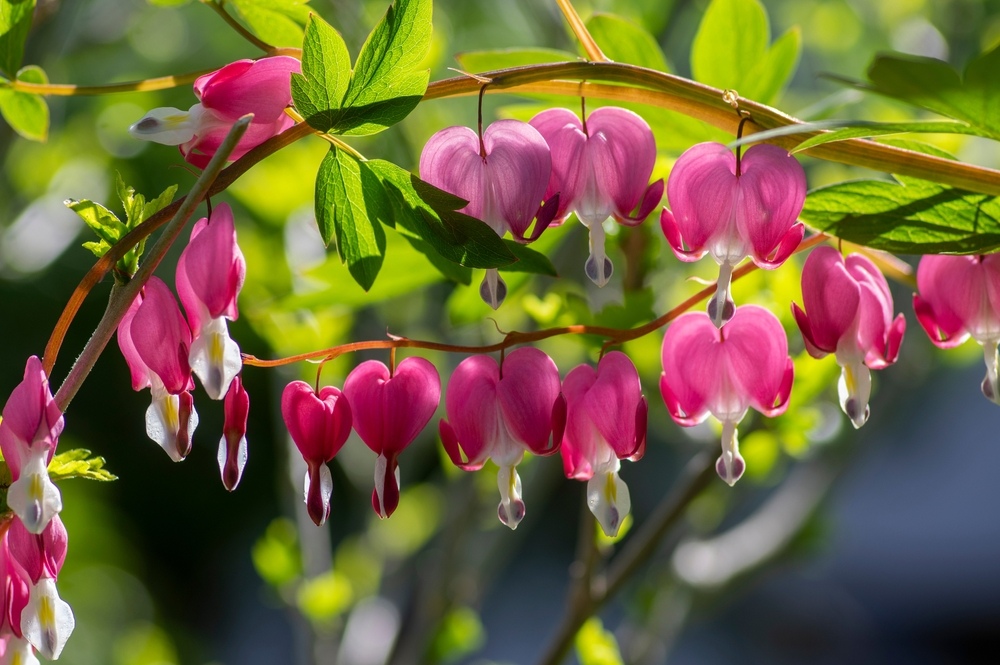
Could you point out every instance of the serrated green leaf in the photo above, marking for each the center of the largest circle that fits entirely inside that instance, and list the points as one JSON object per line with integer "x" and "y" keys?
{"x": 870, "y": 129}
{"x": 909, "y": 217}
{"x": 78, "y": 463}
{"x": 277, "y": 22}
{"x": 625, "y": 41}
{"x": 450, "y": 269}
{"x": 528, "y": 260}
{"x": 15, "y": 22}
{"x": 102, "y": 221}
{"x": 350, "y": 203}
{"x": 318, "y": 91}
{"x": 426, "y": 212}
{"x": 26, "y": 113}
{"x": 484, "y": 61}
{"x": 386, "y": 84}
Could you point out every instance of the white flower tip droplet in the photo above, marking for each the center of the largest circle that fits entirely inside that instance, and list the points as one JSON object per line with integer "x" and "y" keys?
{"x": 33, "y": 497}
{"x": 165, "y": 125}
{"x": 511, "y": 509}
{"x": 854, "y": 390}
{"x": 608, "y": 499}
{"x": 730, "y": 465}
{"x": 493, "y": 290}
{"x": 47, "y": 621}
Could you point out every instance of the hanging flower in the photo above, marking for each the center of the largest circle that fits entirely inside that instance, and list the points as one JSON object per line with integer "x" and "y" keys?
{"x": 600, "y": 168}
{"x": 732, "y": 208}
{"x": 388, "y": 412}
{"x": 232, "y": 455}
{"x": 502, "y": 175}
{"x": 14, "y": 589}
{"x": 498, "y": 413}
{"x": 261, "y": 87}
{"x": 849, "y": 313}
{"x": 723, "y": 372}
{"x": 605, "y": 423}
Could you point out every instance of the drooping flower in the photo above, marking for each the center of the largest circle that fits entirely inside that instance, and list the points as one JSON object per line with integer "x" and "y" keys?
{"x": 499, "y": 412}
{"x": 502, "y": 175}
{"x": 232, "y": 455}
{"x": 849, "y": 313}
{"x": 47, "y": 620}
{"x": 319, "y": 425}
{"x": 261, "y": 87}
{"x": 605, "y": 423}
{"x": 723, "y": 372}
{"x": 600, "y": 168}
{"x": 733, "y": 208}
{"x": 960, "y": 298}
{"x": 210, "y": 274}
{"x": 389, "y": 410}
{"x": 156, "y": 341}
{"x": 29, "y": 434}
{"x": 14, "y": 588}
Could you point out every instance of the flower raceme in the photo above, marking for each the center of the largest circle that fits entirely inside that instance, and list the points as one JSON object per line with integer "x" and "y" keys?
{"x": 600, "y": 167}
{"x": 732, "y": 208}
{"x": 261, "y": 87}
{"x": 503, "y": 175}
{"x": 959, "y": 297}
{"x": 499, "y": 412}
{"x": 389, "y": 409}
{"x": 723, "y": 372}
{"x": 848, "y": 312}
{"x": 319, "y": 424}
{"x": 605, "y": 423}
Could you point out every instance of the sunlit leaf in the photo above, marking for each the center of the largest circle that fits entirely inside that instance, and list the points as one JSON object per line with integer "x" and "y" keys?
{"x": 484, "y": 61}
{"x": 528, "y": 260}
{"x": 78, "y": 463}
{"x": 323, "y": 598}
{"x": 596, "y": 646}
{"x": 26, "y": 113}
{"x": 624, "y": 41}
{"x": 15, "y": 22}
{"x": 277, "y": 22}
{"x": 326, "y": 73}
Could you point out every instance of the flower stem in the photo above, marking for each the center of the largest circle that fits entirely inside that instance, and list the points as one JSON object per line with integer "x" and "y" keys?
{"x": 579, "y": 29}
{"x": 146, "y": 85}
{"x": 217, "y": 6}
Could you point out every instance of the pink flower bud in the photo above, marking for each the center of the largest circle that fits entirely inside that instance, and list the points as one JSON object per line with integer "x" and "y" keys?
{"x": 232, "y": 455}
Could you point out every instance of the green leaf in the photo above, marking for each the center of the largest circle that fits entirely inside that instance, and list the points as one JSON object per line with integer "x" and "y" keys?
{"x": 911, "y": 217}
{"x": 870, "y": 129}
{"x": 730, "y": 50}
{"x": 78, "y": 463}
{"x": 450, "y": 269}
{"x": 326, "y": 74}
{"x": 485, "y": 61}
{"x": 386, "y": 84}
{"x": 350, "y": 202}
{"x": 428, "y": 213}
{"x": 15, "y": 22}
{"x": 624, "y": 41}
{"x": 26, "y": 113}
{"x": 102, "y": 221}
{"x": 528, "y": 260}
{"x": 277, "y": 22}
{"x": 596, "y": 646}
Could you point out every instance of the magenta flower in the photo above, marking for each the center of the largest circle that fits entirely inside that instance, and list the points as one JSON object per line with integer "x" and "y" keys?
{"x": 723, "y": 372}
{"x": 29, "y": 434}
{"x": 732, "y": 209}
{"x": 502, "y": 175}
{"x": 232, "y": 455}
{"x": 499, "y": 413}
{"x": 47, "y": 620}
{"x": 156, "y": 341}
{"x": 319, "y": 425}
{"x": 849, "y": 313}
{"x": 605, "y": 423}
{"x": 600, "y": 168}
{"x": 261, "y": 87}
{"x": 389, "y": 411}
{"x": 210, "y": 274}
{"x": 14, "y": 588}
{"x": 960, "y": 298}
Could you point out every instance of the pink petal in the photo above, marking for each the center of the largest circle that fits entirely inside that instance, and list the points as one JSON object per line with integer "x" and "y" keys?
{"x": 137, "y": 368}
{"x": 563, "y": 132}
{"x": 772, "y": 191}
{"x": 580, "y": 444}
{"x": 527, "y": 392}
{"x": 450, "y": 160}
{"x": 692, "y": 371}
{"x": 757, "y": 359}
{"x": 471, "y": 404}
{"x": 518, "y": 165}
{"x": 786, "y": 247}
{"x": 39, "y": 555}
{"x": 805, "y": 327}
{"x": 31, "y": 418}
{"x": 261, "y": 87}
{"x": 702, "y": 189}
{"x": 318, "y": 424}
{"x": 831, "y": 297}
{"x": 162, "y": 338}
{"x": 622, "y": 151}
{"x": 211, "y": 269}
{"x": 668, "y": 224}
{"x": 650, "y": 200}
{"x": 959, "y": 293}
{"x": 233, "y": 447}
{"x": 200, "y": 150}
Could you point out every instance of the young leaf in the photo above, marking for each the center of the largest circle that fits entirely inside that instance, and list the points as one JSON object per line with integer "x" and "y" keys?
{"x": 350, "y": 202}
{"x": 624, "y": 41}
{"x": 27, "y": 113}
{"x": 911, "y": 217}
{"x": 529, "y": 260}
{"x": 326, "y": 74}
{"x": 277, "y": 22}
{"x": 484, "y": 61}
{"x": 386, "y": 85}
{"x": 15, "y": 22}
{"x": 78, "y": 463}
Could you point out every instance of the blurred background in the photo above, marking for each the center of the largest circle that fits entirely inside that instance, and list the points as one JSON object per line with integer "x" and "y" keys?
{"x": 869, "y": 547}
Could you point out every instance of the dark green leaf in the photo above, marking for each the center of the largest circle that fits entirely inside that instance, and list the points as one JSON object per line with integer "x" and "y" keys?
{"x": 350, "y": 202}
{"x": 277, "y": 22}
{"x": 528, "y": 260}
{"x": 911, "y": 217}
{"x": 624, "y": 41}
{"x": 484, "y": 61}
{"x": 27, "y": 113}
{"x": 424, "y": 211}
{"x": 449, "y": 269}
{"x": 15, "y": 22}
{"x": 326, "y": 74}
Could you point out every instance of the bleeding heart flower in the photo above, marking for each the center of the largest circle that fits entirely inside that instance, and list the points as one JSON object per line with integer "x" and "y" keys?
{"x": 261, "y": 87}
{"x": 960, "y": 298}
{"x": 600, "y": 168}
{"x": 723, "y": 372}
{"x": 232, "y": 455}
{"x": 605, "y": 423}
{"x": 503, "y": 176}
{"x": 849, "y": 313}
{"x": 733, "y": 208}
{"x": 389, "y": 411}
{"x": 14, "y": 589}
{"x": 498, "y": 413}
